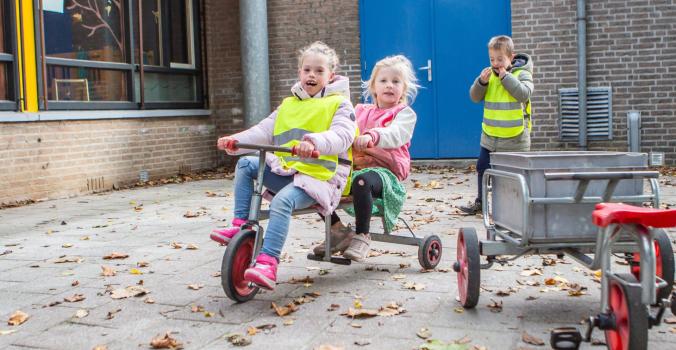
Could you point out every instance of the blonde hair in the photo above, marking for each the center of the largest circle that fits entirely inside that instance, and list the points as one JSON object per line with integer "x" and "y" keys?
{"x": 502, "y": 43}
{"x": 319, "y": 47}
{"x": 404, "y": 67}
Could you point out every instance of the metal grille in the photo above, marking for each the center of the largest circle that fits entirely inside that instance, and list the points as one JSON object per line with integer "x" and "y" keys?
{"x": 599, "y": 114}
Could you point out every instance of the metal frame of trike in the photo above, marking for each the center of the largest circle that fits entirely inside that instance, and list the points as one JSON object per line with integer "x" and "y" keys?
{"x": 611, "y": 239}
{"x": 256, "y": 214}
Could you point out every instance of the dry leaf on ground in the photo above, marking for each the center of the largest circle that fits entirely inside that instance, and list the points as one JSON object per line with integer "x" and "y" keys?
{"x": 6, "y": 332}
{"x": 495, "y": 306}
{"x": 68, "y": 259}
{"x": 424, "y": 333}
{"x": 165, "y": 342}
{"x": 74, "y": 298}
{"x": 414, "y": 286}
{"x": 115, "y": 255}
{"x": 175, "y": 245}
{"x": 238, "y": 339}
{"x": 142, "y": 264}
{"x": 17, "y": 318}
{"x": 131, "y": 291}
{"x": 195, "y": 286}
{"x": 360, "y": 313}
{"x": 108, "y": 271}
{"x": 330, "y": 347}
{"x": 81, "y": 313}
{"x": 284, "y": 310}
{"x": 100, "y": 347}
{"x": 192, "y": 246}
{"x": 531, "y": 339}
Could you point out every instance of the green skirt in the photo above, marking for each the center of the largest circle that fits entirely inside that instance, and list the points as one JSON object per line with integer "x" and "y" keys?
{"x": 394, "y": 194}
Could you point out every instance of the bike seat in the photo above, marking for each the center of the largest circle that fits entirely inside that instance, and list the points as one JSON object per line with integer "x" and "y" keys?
{"x": 618, "y": 213}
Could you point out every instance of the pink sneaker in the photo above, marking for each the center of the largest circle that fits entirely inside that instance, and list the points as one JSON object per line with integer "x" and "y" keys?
{"x": 224, "y": 236}
{"x": 264, "y": 273}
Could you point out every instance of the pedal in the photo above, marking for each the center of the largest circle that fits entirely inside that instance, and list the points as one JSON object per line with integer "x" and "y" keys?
{"x": 565, "y": 338}
{"x": 334, "y": 259}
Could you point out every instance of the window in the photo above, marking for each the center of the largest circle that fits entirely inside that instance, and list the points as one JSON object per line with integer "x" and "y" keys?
{"x": 99, "y": 54}
{"x": 7, "y": 66}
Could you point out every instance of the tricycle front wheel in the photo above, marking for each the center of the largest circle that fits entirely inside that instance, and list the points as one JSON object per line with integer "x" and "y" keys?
{"x": 236, "y": 260}
{"x": 631, "y": 316}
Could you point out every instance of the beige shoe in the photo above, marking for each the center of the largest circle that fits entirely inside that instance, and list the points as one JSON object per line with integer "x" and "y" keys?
{"x": 341, "y": 236}
{"x": 359, "y": 247}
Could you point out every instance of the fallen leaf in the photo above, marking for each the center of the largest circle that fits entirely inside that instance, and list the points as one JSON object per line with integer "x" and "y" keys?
{"x": 330, "y": 347}
{"x": 197, "y": 308}
{"x": 398, "y": 277}
{"x": 108, "y": 271}
{"x": 112, "y": 313}
{"x": 84, "y": 238}
{"x": 142, "y": 264}
{"x": 165, "y": 342}
{"x": 355, "y": 325}
{"x": 131, "y": 291}
{"x": 75, "y": 283}
{"x": 238, "y": 339}
{"x": 216, "y": 274}
{"x": 6, "y": 332}
{"x": 495, "y": 306}
{"x": 360, "y": 313}
{"x": 115, "y": 255}
{"x": 192, "y": 246}
{"x": 459, "y": 310}
{"x": 175, "y": 245}
{"x": 251, "y": 330}
{"x": 17, "y": 318}
{"x": 288, "y": 321}
{"x": 531, "y": 272}
{"x": 333, "y": 307}
{"x": 81, "y": 313}
{"x": 306, "y": 280}
{"x": 414, "y": 286}
{"x": 74, "y": 298}
{"x": 100, "y": 347}
{"x": 363, "y": 342}
{"x": 195, "y": 286}
{"x": 135, "y": 271}
{"x": 67, "y": 245}
{"x": 149, "y": 300}
{"x": 284, "y": 310}
{"x": 670, "y": 320}
{"x": 424, "y": 333}
{"x": 530, "y": 339}
{"x": 68, "y": 259}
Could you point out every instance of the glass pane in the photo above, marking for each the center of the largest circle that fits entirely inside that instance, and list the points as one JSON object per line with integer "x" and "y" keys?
{"x": 86, "y": 30}
{"x": 86, "y": 84}
{"x": 152, "y": 37}
{"x": 178, "y": 26}
{"x": 2, "y": 26}
{"x": 167, "y": 87}
{"x": 4, "y": 81}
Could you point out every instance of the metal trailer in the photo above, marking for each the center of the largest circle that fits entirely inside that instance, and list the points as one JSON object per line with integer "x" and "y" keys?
{"x": 244, "y": 247}
{"x": 542, "y": 203}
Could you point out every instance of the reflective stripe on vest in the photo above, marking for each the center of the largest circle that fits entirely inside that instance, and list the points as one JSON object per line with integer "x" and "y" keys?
{"x": 295, "y": 119}
{"x": 503, "y": 114}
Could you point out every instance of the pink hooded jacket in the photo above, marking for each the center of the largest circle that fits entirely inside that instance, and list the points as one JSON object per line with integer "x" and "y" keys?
{"x": 391, "y": 130}
{"x": 336, "y": 140}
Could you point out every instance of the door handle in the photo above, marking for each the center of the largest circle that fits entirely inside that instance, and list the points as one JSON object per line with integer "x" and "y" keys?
{"x": 428, "y": 67}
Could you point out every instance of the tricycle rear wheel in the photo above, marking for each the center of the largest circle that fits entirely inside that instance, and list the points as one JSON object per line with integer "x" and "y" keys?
{"x": 468, "y": 267}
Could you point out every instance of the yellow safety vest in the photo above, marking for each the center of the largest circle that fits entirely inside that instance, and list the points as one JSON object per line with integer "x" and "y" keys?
{"x": 295, "y": 119}
{"x": 503, "y": 114}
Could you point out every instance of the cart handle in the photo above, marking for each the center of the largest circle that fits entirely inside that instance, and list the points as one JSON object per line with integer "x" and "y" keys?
{"x": 610, "y": 175}
{"x": 267, "y": 148}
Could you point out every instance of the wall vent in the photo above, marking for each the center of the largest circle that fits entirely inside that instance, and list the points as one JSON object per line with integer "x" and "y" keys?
{"x": 599, "y": 114}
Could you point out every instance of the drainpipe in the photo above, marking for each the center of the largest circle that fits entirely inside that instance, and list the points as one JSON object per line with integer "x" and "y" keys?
{"x": 582, "y": 72}
{"x": 253, "y": 15}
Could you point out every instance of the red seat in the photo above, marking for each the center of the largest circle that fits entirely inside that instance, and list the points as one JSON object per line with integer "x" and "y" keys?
{"x": 618, "y": 213}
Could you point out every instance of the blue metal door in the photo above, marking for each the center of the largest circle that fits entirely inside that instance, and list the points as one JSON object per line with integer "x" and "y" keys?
{"x": 403, "y": 27}
{"x": 451, "y": 35}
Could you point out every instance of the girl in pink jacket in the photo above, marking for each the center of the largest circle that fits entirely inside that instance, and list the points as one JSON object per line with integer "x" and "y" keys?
{"x": 294, "y": 189}
{"x": 387, "y": 126}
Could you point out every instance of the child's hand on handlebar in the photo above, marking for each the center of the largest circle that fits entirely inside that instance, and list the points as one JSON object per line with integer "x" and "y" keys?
{"x": 227, "y": 143}
{"x": 363, "y": 142}
{"x": 304, "y": 149}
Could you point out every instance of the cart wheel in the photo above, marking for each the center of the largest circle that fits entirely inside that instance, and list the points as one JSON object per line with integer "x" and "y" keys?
{"x": 664, "y": 264}
{"x": 237, "y": 258}
{"x": 468, "y": 268}
{"x": 429, "y": 253}
{"x": 631, "y": 316}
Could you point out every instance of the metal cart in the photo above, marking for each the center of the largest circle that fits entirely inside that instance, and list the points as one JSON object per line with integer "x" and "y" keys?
{"x": 542, "y": 203}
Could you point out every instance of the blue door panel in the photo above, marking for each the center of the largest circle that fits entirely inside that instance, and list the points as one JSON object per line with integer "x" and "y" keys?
{"x": 403, "y": 27}
{"x": 452, "y": 34}
{"x": 462, "y": 29}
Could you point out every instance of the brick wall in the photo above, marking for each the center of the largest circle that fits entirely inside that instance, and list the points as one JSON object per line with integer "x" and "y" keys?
{"x": 631, "y": 47}
{"x": 55, "y": 159}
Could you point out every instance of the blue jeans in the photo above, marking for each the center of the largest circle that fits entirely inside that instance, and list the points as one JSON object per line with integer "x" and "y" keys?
{"x": 287, "y": 199}
{"x": 482, "y": 163}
